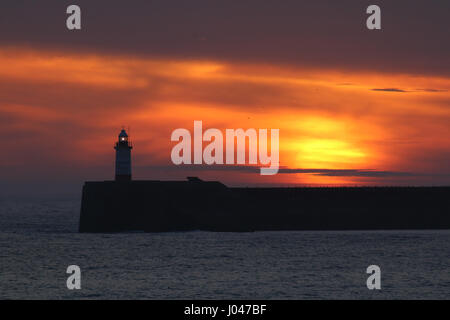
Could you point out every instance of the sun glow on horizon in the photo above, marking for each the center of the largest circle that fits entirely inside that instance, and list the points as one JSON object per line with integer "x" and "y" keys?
{"x": 328, "y": 119}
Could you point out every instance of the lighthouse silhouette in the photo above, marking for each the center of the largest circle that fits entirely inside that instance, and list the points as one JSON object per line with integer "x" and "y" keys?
{"x": 123, "y": 157}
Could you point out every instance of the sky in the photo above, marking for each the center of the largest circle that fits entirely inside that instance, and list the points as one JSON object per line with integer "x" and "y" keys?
{"x": 354, "y": 106}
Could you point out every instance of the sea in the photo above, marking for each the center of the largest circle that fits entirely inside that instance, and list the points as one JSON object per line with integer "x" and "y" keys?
{"x": 39, "y": 240}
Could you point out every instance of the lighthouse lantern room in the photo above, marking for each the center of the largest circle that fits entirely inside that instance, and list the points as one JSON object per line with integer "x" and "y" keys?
{"x": 123, "y": 157}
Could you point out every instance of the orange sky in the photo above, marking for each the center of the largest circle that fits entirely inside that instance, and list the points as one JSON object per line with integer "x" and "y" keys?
{"x": 61, "y": 113}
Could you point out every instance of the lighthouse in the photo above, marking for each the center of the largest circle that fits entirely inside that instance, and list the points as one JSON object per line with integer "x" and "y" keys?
{"x": 123, "y": 157}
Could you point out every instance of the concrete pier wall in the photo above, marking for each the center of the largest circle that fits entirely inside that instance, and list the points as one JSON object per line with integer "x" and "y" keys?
{"x": 159, "y": 206}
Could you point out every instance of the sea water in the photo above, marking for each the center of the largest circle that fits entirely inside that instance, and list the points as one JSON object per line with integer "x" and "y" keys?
{"x": 39, "y": 240}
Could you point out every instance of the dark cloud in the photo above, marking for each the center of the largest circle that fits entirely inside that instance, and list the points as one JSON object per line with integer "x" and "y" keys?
{"x": 283, "y": 170}
{"x": 321, "y": 33}
{"x": 402, "y": 90}
{"x": 350, "y": 173}
{"x": 431, "y": 90}
{"x": 389, "y": 90}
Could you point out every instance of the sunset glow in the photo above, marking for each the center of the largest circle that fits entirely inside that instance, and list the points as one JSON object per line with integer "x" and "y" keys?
{"x": 73, "y": 105}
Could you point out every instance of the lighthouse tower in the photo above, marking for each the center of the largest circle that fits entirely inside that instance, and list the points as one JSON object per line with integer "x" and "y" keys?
{"x": 123, "y": 157}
